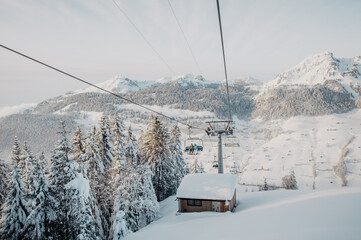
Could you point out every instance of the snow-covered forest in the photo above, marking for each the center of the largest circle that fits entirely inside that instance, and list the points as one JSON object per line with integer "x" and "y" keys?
{"x": 103, "y": 184}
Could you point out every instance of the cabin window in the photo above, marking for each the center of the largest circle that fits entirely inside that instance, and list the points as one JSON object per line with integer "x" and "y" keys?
{"x": 193, "y": 202}
{"x": 190, "y": 202}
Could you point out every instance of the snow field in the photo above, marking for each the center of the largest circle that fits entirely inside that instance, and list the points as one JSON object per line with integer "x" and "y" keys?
{"x": 281, "y": 214}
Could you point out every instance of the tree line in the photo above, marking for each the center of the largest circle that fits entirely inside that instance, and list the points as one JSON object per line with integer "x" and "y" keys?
{"x": 102, "y": 186}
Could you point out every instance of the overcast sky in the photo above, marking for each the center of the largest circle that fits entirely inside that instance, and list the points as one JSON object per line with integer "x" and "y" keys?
{"x": 93, "y": 40}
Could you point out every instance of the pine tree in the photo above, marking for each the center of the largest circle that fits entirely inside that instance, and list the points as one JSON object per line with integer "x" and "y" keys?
{"x": 85, "y": 223}
{"x": 104, "y": 142}
{"x": 37, "y": 225}
{"x": 4, "y": 181}
{"x": 130, "y": 149}
{"x": 77, "y": 216}
{"x": 61, "y": 173}
{"x": 14, "y": 211}
{"x": 135, "y": 203}
{"x": 106, "y": 153}
{"x": 176, "y": 149}
{"x": 24, "y": 170}
{"x": 118, "y": 140}
{"x": 95, "y": 170}
{"x": 155, "y": 151}
{"x": 78, "y": 146}
{"x": 195, "y": 168}
{"x": 31, "y": 169}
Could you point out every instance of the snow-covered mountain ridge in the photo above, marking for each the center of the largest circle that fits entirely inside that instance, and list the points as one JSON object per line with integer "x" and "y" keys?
{"x": 319, "y": 68}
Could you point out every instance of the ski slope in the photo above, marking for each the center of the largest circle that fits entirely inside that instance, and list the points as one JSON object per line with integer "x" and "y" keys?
{"x": 311, "y": 146}
{"x": 281, "y": 214}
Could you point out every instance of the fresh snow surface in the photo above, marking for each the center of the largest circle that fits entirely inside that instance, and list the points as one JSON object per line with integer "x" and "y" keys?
{"x": 272, "y": 215}
{"x": 207, "y": 186}
{"x": 8, "y": 110}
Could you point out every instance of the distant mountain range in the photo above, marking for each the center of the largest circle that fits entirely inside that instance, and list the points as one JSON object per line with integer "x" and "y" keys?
{"x": 319, "y": 85}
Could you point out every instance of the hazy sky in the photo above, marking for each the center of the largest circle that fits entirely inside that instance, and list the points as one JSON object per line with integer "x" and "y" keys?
{"x": 93, "y": 40}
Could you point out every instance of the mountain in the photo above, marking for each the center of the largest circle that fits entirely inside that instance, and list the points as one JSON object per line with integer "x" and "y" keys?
{"x": 117, "y": 84}
{"x": 320, "y": 68}
{"x": 319, "y": 85}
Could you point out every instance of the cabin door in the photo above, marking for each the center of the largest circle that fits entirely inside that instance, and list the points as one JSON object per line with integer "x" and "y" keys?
{"x": 216, "y": 206}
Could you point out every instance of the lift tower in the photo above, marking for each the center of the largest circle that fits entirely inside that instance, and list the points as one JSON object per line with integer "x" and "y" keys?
{"x": 217, "y": 128}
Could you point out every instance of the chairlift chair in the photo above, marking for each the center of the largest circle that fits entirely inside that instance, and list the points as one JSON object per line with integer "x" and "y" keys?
{"x": 196, "y": 142}
{"x": 231, "y": 141}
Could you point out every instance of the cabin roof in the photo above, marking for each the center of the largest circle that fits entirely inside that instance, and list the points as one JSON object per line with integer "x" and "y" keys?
{"x": 208, "y": 186}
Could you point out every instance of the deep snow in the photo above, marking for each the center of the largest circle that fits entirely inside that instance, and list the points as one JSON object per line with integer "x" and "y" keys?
{"x": 280, "y": 214}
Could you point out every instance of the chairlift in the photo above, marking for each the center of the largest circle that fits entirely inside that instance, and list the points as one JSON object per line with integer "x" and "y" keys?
{"x": 231, "y": 141}
{"x": 193, "y": 145}
{"x": 234, "y": 168}
{"x": 215, "y": 164}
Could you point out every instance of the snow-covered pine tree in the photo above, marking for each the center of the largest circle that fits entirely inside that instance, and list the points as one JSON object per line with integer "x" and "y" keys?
{"x": 31, "y": 170}
{"x": 154, "y": 149}
{"x": 25, "y": 165}
{"x": 94, "y": 167}
{"x": 117, "y": 130}
{"x": 104, "y": 142}
{"x": 130, "y": 149}
{"x": 74, "y": 219}
{"x": 78, "y": 146}
{"x": 14, "y": 210}
{"x": 4, "y": 181}
{"x": 135, "y": 203}
{"x": 18, "y": 157}
{"x": 106, "y": 153}
{"x": 37, "y": 225}
{"x": 176, "y": 149}
{"x": 195, "y": 168}
{"x": 44, "y": 163}
{"x": 85, "y": 224}
{"x": 61, "y": 173}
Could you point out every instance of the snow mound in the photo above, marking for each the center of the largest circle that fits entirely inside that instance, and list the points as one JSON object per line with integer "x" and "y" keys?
{"x": 208, "y": 186}
{"x": 81, "y": 184}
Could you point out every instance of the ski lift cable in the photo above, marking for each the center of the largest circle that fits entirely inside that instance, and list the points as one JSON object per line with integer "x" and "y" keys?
{"x": 102, "y": 89}
{"x": 142, "y": 35}
{"x": 184, "y": 36}
{"x": 224, "y": 60}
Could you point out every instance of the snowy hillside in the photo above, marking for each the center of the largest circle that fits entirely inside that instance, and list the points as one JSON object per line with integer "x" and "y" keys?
{"x": 319, "y": 68}
{"x": 281, "y": 214}
{"x": 311, "y": 146}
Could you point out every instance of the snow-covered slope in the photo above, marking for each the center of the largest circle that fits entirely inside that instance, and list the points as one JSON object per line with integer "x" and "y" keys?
{"x": 319, "y": 68}
{"x": 281, "y": 214}
{"x": 311, "y": 146}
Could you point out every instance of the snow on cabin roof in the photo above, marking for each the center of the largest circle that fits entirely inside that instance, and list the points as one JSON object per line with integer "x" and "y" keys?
{"x": 207, "y": 186}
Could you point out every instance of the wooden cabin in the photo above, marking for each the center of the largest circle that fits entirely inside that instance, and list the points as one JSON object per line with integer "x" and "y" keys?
{"x": 207, "y": 192}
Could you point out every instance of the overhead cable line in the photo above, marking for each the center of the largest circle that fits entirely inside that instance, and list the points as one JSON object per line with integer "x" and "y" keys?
{"x": 102, "y": 89}
{"x": 224, "y": 60}
{"x": 142, "y": 35}
{"x": 184, "y": 36}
